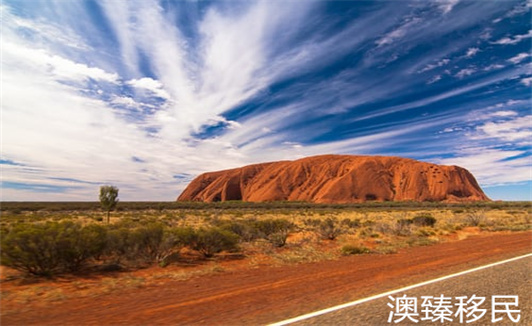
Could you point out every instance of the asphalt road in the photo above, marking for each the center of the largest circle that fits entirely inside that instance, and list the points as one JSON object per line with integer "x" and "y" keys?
{"x": 512, "y": 279}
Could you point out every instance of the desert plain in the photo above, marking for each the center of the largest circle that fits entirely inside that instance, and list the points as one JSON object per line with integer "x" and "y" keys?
{"x": 282, "y": 258}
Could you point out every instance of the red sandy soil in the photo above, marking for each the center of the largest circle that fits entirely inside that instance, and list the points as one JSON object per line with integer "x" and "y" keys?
{"x": 337, "y": 179}
{"x": 268, "y": 294}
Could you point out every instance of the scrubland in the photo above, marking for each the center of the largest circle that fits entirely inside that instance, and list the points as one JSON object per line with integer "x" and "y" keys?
{"x": 56, "y": 251}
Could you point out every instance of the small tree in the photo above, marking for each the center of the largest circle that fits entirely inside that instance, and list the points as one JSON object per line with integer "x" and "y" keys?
{"x": 108, "y": 198}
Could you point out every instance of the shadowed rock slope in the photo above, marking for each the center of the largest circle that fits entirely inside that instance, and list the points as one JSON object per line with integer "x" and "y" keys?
{"x": 337, "y": 179}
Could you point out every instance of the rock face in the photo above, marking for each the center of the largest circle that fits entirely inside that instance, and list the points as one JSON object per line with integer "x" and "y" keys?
{"x": 337, "y": 179}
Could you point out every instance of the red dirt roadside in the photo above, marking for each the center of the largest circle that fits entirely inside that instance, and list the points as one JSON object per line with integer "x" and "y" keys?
{"x": 265, "y": 295}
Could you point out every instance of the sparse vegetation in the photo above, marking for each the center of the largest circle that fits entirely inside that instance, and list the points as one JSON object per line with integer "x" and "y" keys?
{"x": 475, "y": 218}
{"x": 48, "y": 239}
{"x": 354, "y": 250}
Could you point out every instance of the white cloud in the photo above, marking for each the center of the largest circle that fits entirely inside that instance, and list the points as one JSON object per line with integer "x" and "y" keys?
{"x": 125, "y": 100}
{"x": 53, "y": 65}
{"x": 492, "y": 166}
{"x": 440, "y": 63}
{"x": 399, "y": 32}
{"x": 292, "y": 144}
{"x": 508, "y": 103}
{"x": 511, "y": 102}
{"x": 493, "y": 67}
{"x": 486, "y": 34}
{"x": 516, "y": 129}
{"x": 519, "y": 9}
{"x": 452, "y": 129}
{"x": 471, "y": 52}
{"x": 226, "y": 67}
{"x": 235, "y": 56}
{"x": 504, "y": 114}
{"x": 447, "y": 5}
{"x": 465, "y": 72}
{"x": 75, "y": 135}
{"x": 150, "y": 84}
{"x": 434, "y": 79}
{"x": 513, "y": 40}
{"x": 527, "y": 81}
{"x": 436, "y": 98}
{"x": 42, "y": 31}
{"x": 520, "y": 57}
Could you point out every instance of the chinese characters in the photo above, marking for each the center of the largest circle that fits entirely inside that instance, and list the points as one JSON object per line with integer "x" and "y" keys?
{"x": 447, "y": 309}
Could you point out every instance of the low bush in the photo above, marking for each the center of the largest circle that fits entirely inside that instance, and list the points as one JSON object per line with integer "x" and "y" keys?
{"x": 174, "y": 239}
{"x": 424, "y": 219}
{"x": 49, "y": 248}
{"x": 213, "y": 240}
{"x": 31, "y": 249}
{"x": 424, "y": 232}
{"x": 145, "y": 244}
{"x": 354, "y": 250}
{"x": 312, "y": 222}
{"x": 77, "y": 244}
{"x": 351, "y": 223}
{"x": 155, "y": 242}
{"x": 276, "y": 231}
{"x": 329, "y": 229}
{"x": 245, "y": 229}
{"x": 119, "y": 244}
{"x": 278, "y": 239}
{"x": 270, "y": 226}
{"x": 475, "y": 218}
{"x": 402, "y": 227}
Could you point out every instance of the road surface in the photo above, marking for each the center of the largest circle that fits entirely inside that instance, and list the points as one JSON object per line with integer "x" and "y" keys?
{"x": 513, "y": 278}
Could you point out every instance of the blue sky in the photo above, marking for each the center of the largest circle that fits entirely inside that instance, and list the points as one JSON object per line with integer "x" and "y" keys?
{"x": 145, "y": 95}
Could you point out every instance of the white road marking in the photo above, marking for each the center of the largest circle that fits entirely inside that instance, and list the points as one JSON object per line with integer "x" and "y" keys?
{"x": 357, "y": 302}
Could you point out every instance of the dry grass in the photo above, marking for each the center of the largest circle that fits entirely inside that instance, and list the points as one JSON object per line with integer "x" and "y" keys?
{"x": 305, "y": 254}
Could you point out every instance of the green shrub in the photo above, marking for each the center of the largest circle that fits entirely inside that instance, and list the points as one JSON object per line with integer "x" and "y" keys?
{"x": 173, "y": 240}
{"x": 424, "y": 219}
{"x": 45, "y": 249}
{"x": 146, "y": 241}
{"x": 270, "y": 226}
{"x": 312, "y": 222}
{"x": 244, "y": 229}
{"x": 153, "y": 242}
{"x": 119, "y": 244}
{"x": 351, "y": 223}
{"x": 31, "y": 248}
{"x": 278, "y": 239}
{"x": 402, "y": 227}
{"x": 77, "y": 244}
{"x": 354, "y": 250}
{"x": 213, "y": 240}
{"x": 329, "y": 229}
{"x": 274, "y": 230}
{"x": 475, "y": 218}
